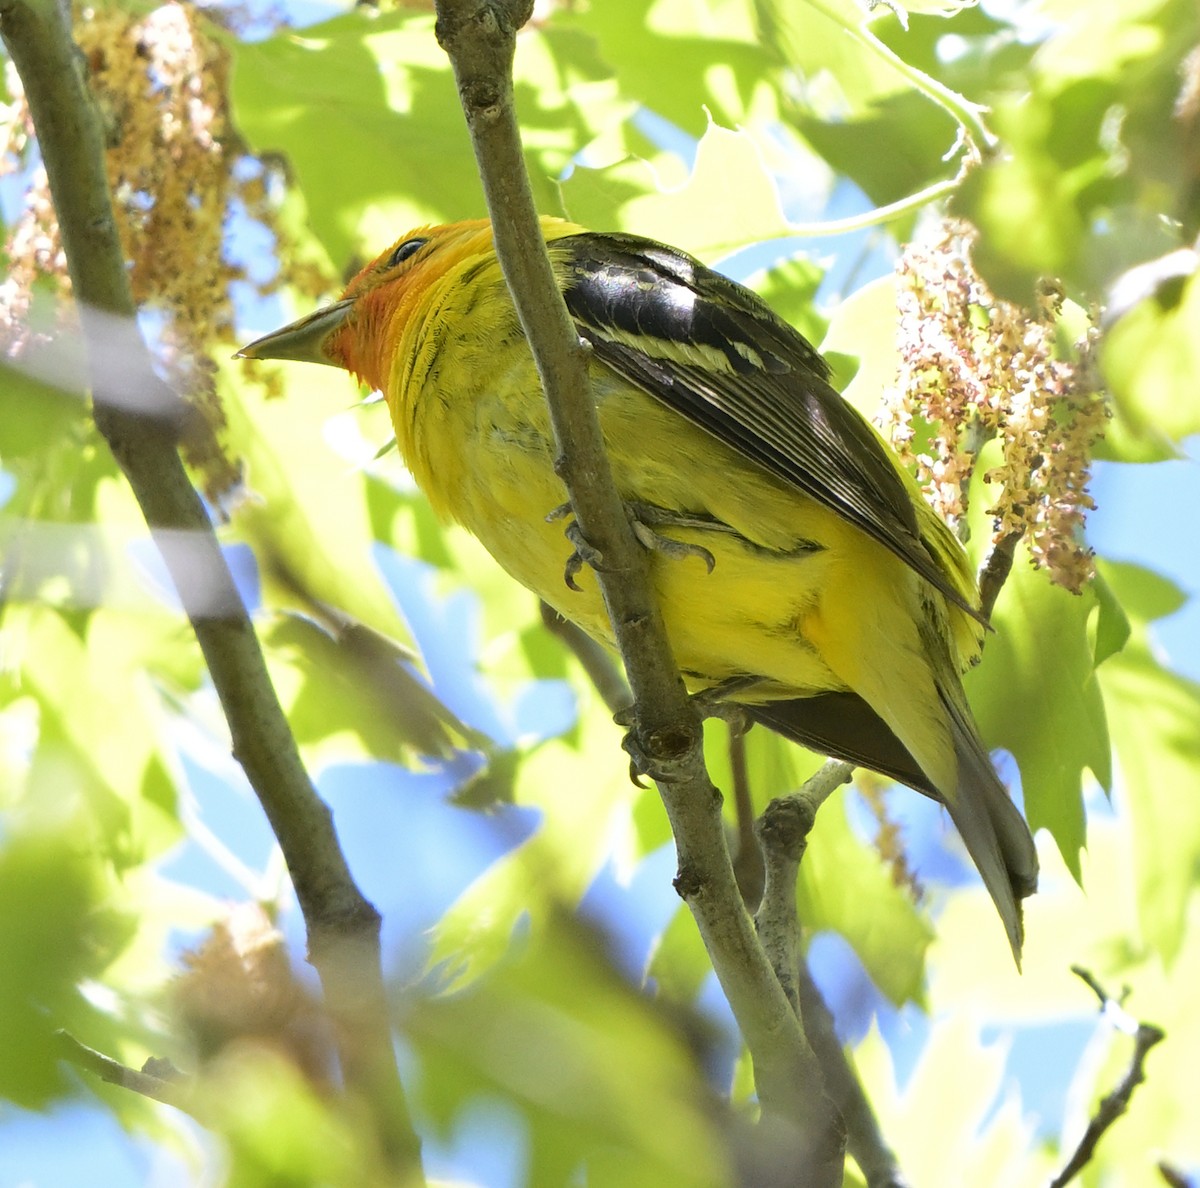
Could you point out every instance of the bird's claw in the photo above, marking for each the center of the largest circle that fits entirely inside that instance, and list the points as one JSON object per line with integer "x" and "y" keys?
{"x": 714, "y": 702}
{"x": 641, "y": 764}
{"x": 644, "y": 518}
{"x": 583, "y": 553}
{"x": 677, "y": 550}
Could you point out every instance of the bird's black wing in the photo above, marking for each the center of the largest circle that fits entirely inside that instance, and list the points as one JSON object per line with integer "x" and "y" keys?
{"x": 715, "y": 352}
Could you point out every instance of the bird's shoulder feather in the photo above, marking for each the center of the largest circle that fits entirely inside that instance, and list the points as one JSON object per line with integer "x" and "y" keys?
{"x": 716, "y": 353}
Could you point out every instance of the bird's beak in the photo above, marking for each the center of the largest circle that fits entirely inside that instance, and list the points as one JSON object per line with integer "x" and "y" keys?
{"x": 302, "y": 341}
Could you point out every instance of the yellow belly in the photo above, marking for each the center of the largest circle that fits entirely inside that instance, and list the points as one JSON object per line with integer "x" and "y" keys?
{"x": 745, "y": 617}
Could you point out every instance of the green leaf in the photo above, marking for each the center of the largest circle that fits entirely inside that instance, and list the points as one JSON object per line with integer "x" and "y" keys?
{"x": 309, "y": 514}
{"x": 581, "y": 786}
{"x": 1156, "y": 727}
{"x": 790, "y": 289}
{"x": 601, "y": 1078}
{"x": 1111, "y": 623}
{"x": 1146, "y": 595}
{"x": 848, "y": 79}
{"x": 730, "y": 200}
{"x": 341, "y": 97}
{"x": 1035, "y": 694}
{"x": 35, "y": 417}
{"x": 1027, "y": 200}
{"x": 1150, "y": 359}
{"x": 679, "y": 964}
{"x": 918, "y": 135}
{"x": 83, "y": 748}
{"x": 846, "y": 886}
{"x": 278, "y": 1130}
{"x": 352, "y": 694}
{"x": 864, "y": 327}
{"x": 956, "y": 1119}
{"x": 663, "y": 59}
{"x": 56, "y": 929}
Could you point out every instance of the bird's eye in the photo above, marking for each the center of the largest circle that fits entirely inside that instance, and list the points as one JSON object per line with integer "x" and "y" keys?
{"x": 402, "y": 251}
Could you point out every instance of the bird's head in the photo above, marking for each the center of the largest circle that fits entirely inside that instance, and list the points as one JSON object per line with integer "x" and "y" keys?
{"x": 360, "y": 332}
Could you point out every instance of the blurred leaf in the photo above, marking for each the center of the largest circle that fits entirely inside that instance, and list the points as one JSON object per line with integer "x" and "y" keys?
{"x": 846, "y": 886}
{"x": 845, "y": 78}
{"x": 790, "y": 289}
{"x": 34, "y": 416}
{"x": 55, "y": 930}
{"x": 342, "y": 96}
{"x": 601, "y": 1078}
{"x": 730, "y": 200}
{"x": 864, "y": 327}
{"x": 683, "y": 60}
{"x": 582, "y": 788}
{"x": 278, "y": 1131}
{"x": 1035, "y": 694}
{"x": 952, "y": 1121}
{"x": 918, "y": 136}
{"x": 354, "y": 683}
{"x": 1146, "y": 594}
{"x": 1111, "y": 623}
{"x": 1098, "y": 150}
{"x": 1156, "y": 727}
{"x": 1151, "y": 357}
{"x": 1028, "y": 201}
{"x": 307, "y": 514}
{"x": 83, "y": 747}
{"x": 679, "y": 964}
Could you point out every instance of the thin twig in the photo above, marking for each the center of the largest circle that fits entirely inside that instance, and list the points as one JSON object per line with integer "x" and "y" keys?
{"x": 995, "y": 570}
{"x": 864, "y": 1138}
{"x": 597, "y": 661}
{"x": 783, "y": 832}
{"x": 748, "y": 866}
{"x": 175, "y": 1093}
{"x": 480, "y": 38}
{"x": 1111, "y": 1107}
{"x": 140, "y": 417}
{"x": 1172, "y": 1176}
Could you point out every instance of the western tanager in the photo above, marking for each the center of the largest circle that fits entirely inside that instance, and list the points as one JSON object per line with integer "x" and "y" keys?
{"x": 814, "y": 583}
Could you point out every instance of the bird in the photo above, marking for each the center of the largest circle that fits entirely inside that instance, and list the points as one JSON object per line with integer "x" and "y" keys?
{"x": 800, "y": 572}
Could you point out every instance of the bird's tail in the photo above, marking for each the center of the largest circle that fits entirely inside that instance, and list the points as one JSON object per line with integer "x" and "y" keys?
{"x": 998, "y": 840}
{"x": 991, "y": 827}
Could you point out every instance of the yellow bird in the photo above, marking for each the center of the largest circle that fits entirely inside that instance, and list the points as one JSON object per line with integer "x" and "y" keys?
{"x": 798, "y": 565}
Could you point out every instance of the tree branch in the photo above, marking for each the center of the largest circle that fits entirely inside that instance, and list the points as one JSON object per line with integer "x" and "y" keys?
{"x": 748, "y": 866}
{"x": 783, "y": 832}
{"x": 864, "y": 1139}
{"x": 140, "y": 417}
{"x": 995, "y": 570}
{"x": 597, "y": 662}
{"x": 1145, "y": 1036}
{"x": 480, "y": 37}
{"x": 170, "y": 1092}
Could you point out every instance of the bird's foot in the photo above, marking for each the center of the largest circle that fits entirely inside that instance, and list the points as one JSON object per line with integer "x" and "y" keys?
{"x": 660, "y": 761}
{"x": 714, "y": 702}
{"x": 583, "y": 553}
{"x": 645, "y": 519}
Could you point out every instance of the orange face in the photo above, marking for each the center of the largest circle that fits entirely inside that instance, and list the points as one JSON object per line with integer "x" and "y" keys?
{"x": 391, "y": 289}
{"x": 360, "y": 331}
